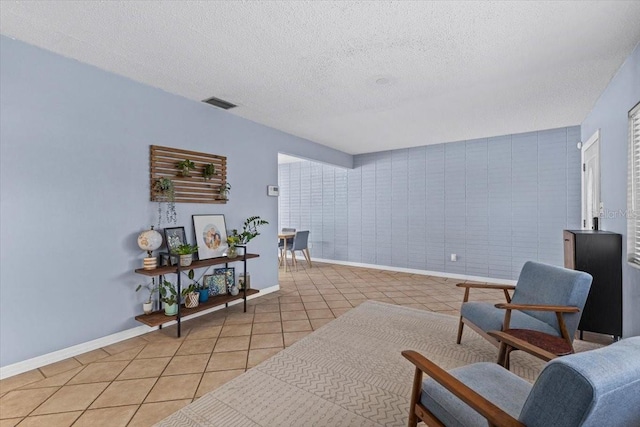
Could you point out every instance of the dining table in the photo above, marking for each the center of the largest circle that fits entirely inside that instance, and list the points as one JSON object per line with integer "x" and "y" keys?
{"x": 284, "y": 237}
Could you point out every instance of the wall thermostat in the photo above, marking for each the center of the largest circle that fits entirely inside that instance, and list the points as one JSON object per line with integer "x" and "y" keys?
{"x": 273, "y": 190}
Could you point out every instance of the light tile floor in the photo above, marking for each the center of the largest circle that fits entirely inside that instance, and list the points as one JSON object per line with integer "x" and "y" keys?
{"x": 142, "y": 380}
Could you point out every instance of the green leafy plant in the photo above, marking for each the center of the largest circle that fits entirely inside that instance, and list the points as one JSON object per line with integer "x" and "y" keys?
{"x": 208, "y": 171}
{"x": 186, "y": 249}
{"x": 151, "y": 287}
{"x": 189, "y": 289}
{"x": 233, "y": 239}
{"x": 168, "y": 293}
{"x": 224, "y": 190}
{"x": 185, "y": 167}
{"x": 197, "y": 284}
{"x": 249, "y": 230}
{"x": 164, "y": 190}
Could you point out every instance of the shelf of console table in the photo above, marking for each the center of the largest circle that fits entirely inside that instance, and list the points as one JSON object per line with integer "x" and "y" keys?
{"x": 157, "y": 318}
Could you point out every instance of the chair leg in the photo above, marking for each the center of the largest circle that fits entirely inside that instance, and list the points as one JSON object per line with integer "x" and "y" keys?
{"x": 415, "y": 397}
{"x": 502, "y": 354}
{"x": 306, "y": 254}
{"x": 460, "y": 327}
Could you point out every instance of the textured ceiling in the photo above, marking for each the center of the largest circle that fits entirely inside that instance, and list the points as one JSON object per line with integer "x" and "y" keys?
{"x": 357, "y": 76}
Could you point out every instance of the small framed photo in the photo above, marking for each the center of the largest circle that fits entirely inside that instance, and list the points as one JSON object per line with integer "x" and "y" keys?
{"x": 229, "y": 274}
{"x": 217, "y": 284}
{"x": 174, "y": 237}
{"x": 211, "y": 235}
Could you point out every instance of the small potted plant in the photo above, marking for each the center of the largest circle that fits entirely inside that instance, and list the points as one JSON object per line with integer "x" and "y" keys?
{"x": 208, "y": 171}
{"x": 233, "y": 240}
{"x": 185, "y": 167}
{"x": 249, "y": 230}
{"x": 203, "y": 291}
{"x": 169, "y": 296}
{"x": 147, "y": 306}
{"x": 186, "y": 252}
{"x": 224, "y": 190}
{"x": 191, "y": 296}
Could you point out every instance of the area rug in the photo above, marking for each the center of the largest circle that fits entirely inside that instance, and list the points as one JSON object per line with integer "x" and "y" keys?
{"x": 348, "y": 373}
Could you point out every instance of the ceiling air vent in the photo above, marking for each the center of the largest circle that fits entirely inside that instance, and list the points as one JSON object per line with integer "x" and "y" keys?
{"x": 220, "y": 103}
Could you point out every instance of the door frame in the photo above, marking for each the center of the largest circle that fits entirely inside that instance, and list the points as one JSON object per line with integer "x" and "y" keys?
{"x": 594, "y": 139}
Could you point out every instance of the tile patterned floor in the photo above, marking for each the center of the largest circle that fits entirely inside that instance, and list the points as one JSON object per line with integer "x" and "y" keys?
{"x": 144, "y": 379}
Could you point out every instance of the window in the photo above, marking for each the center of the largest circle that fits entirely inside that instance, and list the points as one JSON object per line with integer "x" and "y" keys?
{"x": 633, "y": 212}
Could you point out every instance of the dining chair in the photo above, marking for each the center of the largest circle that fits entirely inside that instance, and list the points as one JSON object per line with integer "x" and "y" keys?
{"x": 300, "y": 243}
{"x": 283, "y": 254}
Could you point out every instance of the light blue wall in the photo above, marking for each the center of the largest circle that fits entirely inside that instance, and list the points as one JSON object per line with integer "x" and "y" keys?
{"x": 610, "y": 115}
{"x": 495, "y": 202}
{"x": 74, "y": 193}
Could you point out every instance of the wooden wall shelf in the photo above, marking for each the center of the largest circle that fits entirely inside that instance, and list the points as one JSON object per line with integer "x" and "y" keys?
{"x": 188, "y": 189}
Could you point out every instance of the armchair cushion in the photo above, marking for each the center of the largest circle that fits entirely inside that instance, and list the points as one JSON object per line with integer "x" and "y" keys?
{"x": 488, "y": 318}
{"x": 505, "y": 390}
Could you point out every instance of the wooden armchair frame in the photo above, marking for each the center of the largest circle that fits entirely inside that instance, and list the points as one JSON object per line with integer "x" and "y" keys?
{"x": 463, "y": 321}
{"x": 494, "y": 415}
{"x": 511, "y": 340}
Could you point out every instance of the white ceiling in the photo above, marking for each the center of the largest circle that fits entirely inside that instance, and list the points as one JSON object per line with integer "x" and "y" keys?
{"x": 453, "y": 70}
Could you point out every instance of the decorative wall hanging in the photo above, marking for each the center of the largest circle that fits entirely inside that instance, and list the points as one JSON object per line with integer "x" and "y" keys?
{"x": 197, "y": 177}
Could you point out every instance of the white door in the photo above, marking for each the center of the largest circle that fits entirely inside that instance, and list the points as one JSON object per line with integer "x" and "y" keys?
{"x": 591, "y": 180}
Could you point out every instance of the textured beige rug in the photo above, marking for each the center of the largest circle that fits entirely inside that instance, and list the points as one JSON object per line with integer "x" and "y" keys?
{"x": 348, "y": 373}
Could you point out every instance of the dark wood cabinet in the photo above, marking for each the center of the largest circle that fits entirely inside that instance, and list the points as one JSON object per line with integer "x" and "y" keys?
{"x": 598, "y": 253}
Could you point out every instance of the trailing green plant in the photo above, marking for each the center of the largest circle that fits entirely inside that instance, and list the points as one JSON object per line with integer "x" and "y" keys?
{"x": 225, "y": 189}
{"x": 185, "y": 249}
{"x": 249, "y": 230}
{"x": 185, "y": 167}
{"x": 208, "y": 171}
{"x": 164, "y": 190}
{"x": 151, "y": 287}
{"x": 168, "y": 293}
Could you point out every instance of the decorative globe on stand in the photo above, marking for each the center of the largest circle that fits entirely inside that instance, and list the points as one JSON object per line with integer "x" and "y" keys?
{"x": 149, "y": 241}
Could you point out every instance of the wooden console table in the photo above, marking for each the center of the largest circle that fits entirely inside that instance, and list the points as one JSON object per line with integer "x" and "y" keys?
{"x": 158, "y": 318}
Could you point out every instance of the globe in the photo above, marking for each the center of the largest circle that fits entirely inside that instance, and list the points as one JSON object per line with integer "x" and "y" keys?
{"x": 149, "y": 240}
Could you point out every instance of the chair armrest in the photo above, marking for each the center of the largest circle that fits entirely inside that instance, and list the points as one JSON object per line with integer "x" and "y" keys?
{"x": 522, "y": 345}
{"x": 485, "y": 286}
{"x": 538, "y": 307}
{"x": 491, "y": 412}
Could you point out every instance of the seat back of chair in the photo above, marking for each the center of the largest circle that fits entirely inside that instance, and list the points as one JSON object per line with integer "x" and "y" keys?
{"x": 550, "y": 285}
{"x": 594, "y": 388}
{"x": 300, "y": 241}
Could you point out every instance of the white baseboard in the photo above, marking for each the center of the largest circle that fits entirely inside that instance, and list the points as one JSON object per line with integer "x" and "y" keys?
{"x": 415, "y": 271}
{"x": 65, "y": 353}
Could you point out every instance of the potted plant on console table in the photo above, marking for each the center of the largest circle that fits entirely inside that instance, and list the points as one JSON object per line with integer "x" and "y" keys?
{"x": 249, "y": 231}
{"x": 147, "y": 306}
{"x": 186, "y": 252}
{"x": 169, "y": 296}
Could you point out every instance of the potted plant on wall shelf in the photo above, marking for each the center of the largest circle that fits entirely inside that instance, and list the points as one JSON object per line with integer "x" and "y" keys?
{"x": 203, "y": 291}
{"x": 147, "y": 306}
{"x": 233, "y": 240}
{"x": 185, "y": 167}
{"x": 164, "y": 190}
{"x": 208, "y": 171}
{"x": 169, "y": 296}
{"x": 224, "y": 190}
{"x": 186, "y": 252}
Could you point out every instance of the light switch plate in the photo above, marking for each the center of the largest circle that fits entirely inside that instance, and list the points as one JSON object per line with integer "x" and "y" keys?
{"x": 273, "y": 190}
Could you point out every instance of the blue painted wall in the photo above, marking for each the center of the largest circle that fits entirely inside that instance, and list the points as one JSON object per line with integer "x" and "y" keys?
{"x": 74, "y": 193}
{"x": 610, "y": 115}
{"x": 495, "y": 202}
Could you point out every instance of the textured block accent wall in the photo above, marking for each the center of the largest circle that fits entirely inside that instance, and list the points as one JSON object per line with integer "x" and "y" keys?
{"x": 495, "y": 202}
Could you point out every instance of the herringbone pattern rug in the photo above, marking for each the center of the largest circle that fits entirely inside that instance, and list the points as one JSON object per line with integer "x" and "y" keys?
{"x": 348, "y": 373}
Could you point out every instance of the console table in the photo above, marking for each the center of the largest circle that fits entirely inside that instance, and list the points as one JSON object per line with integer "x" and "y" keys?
{"x": 158, "y": 318}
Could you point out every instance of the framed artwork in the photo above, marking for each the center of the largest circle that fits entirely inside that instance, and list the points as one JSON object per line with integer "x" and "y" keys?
{"x": 217, "y": 284}
{"x": 229, "y": 274}
{"x": 174, "y": 237}
{"x": 211, "y": 235}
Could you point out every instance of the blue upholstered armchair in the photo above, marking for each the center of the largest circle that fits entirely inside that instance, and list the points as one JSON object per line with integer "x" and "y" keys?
{"x": 546, "y": 298}
{"x": 594, "y": 388}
